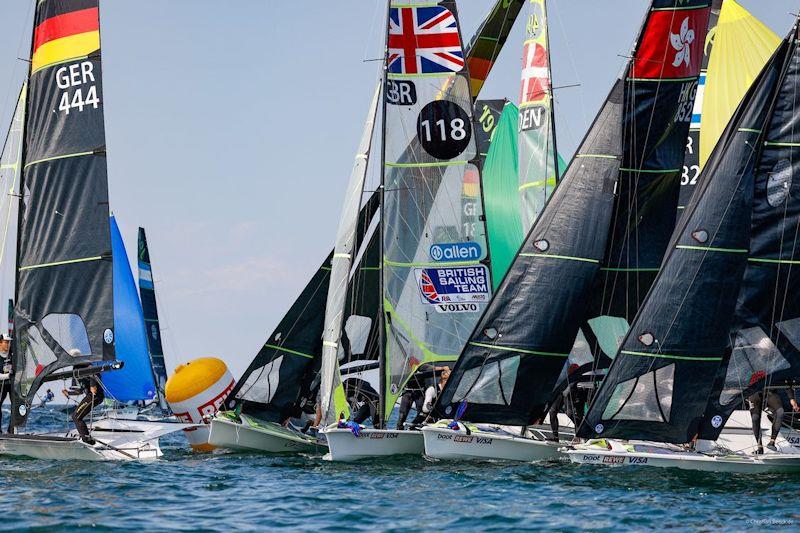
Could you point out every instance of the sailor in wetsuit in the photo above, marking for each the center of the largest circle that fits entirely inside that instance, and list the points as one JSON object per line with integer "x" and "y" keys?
{"x": 573, "y": 399}
{"x": 414, "y": 393}
{"x": 6, "y": 371}
{"x": 363, "y": 400}
{"x": 92, "y": 389}
{"x": 775, "y": 404}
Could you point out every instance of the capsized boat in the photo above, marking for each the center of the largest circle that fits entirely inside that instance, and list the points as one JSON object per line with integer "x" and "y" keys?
{"x": 64, "y": 308}
{"x": 722, "y": 320}
{"x": 435, "y": 277}
{"x": 594, "y": 248}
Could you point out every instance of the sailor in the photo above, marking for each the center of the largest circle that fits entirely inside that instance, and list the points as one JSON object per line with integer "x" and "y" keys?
{"x": 414, "y": 393}
{"x": 431, "y": 394}
{"x": 48, "y": 397}
{"x": 775, "y": 404}
{"x": 6, "y": 370}
{"x": 573, "y": 399}
{"x": 363, "y": 400}
{"x": 92, "y": 389}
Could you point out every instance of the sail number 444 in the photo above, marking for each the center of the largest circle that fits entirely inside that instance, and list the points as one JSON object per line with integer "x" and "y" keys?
{"x": 77, "y": 82}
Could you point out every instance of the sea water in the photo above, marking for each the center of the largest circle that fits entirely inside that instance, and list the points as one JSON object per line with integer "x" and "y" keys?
{"x": 225, "y": 491}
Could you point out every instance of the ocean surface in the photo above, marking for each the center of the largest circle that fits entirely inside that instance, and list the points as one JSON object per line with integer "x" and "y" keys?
{"x": 231, "y": 491}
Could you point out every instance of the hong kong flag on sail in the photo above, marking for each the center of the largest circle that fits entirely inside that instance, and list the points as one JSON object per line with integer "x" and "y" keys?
{"x": 672, "y": 45}
{"x": 535, "y": 73}
{"x": 424, "y": 40}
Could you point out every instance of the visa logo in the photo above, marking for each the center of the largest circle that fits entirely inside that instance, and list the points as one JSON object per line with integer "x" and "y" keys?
{"x": 456, "y": 251}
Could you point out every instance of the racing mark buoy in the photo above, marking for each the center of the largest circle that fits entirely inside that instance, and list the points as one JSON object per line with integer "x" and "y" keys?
{"x": 196, "y": 390}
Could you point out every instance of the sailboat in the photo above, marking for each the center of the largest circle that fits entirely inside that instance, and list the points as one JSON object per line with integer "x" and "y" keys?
{"x": 435, "y": 277}
{"x": 721, "y": 321}
{"x": 281, "y": 385}
{"x": 588, "y": 259}
{"x": 64, "y": 319}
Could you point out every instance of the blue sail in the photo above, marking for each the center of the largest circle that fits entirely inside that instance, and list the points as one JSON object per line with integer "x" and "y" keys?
{"x": 135, "y": 381}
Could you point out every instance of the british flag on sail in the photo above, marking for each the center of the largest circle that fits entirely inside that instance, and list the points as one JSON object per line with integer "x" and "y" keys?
{"x": 424, "y": 40}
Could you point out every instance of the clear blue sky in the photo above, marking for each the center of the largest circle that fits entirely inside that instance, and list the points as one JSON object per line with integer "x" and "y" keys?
{"x": 232, "y": 124}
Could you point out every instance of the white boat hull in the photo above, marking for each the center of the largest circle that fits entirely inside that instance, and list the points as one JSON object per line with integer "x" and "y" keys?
{"x": 444, "y": 443}
{"x": 265, "y": 437}
{"x": 344, "y": 446}
{"x": 117, "y": 440}
{"x": 666, "y": 456}
{"x": 73, "y": 449}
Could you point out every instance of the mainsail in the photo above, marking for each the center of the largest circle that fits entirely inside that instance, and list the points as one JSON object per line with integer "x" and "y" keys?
{"x": 737, "y": 47}
{"x": 485, "y": 46}
{"x": 435, "y": 278}
{"x": 135, "y": 382}
{"x": 725, "y": 293}
{"x": 600, "y": 236}
{"x": 64, "y": 311}
{"x": 147, "y": 293}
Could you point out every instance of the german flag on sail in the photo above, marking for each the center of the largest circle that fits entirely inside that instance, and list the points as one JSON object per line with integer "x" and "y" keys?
{"x": 65, "y": 30}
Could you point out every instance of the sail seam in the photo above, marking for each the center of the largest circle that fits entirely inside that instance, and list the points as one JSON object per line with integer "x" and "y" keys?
{"x": 668, "y": 356}
{"x": 520, "y": 350}
{"x": 432, "y": 265}
{"x": 60, "y": 263}
{"x": 774, "y": 143}
{"x": 650, "y": 171}
{"x": 631, "y": 269}
{"x": 599, "y": 156}
{"x": 662, "y": 80}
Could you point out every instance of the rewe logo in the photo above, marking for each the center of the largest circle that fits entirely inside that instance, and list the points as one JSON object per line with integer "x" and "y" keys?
{"x": 458, "y": 251}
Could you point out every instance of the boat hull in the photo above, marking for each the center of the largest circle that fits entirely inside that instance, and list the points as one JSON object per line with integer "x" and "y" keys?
{"x": 72, "y": 449}
{"x": 688, "y": 460}
{"x": 264, "y": 438}
{"x": 344, "y": 446}
{"x": 444, "y": 443}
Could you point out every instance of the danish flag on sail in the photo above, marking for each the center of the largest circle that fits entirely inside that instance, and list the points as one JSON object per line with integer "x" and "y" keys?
{"x": 535, "y": 74}
{"x": 424, "y": 40}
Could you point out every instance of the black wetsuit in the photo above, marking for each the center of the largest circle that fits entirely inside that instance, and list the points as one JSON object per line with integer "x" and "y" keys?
{"x": 573, "y": 408}
{"x": 89, "y": 402}
{"x": 775, "y": 404}
{"x": 411, "y": 397}
{"x": 5, "y": 384}
{"x": 360, "y": 393}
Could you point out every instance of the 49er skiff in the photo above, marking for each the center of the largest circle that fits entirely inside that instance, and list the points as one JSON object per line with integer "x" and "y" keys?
{"x": 64, "y": 305}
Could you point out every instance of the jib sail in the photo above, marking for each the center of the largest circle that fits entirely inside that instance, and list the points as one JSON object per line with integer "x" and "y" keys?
{"x": 582, "y": 255}
{"x": 135, "y": 382}
{"x": 64, "y": 311}
{"x": 725, "y": 293}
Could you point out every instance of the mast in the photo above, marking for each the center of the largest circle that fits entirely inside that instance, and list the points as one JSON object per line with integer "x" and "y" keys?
{"x": 382, "y": 369}
{"x": 15, "y": 408}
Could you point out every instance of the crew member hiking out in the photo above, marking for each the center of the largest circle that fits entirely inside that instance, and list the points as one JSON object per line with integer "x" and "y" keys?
{"x": 775, "y": 404}
{"x": 92, "y": 389}
{"x": 6, "y": 371}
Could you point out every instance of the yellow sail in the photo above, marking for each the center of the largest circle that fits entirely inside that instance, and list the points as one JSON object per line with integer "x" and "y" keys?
{"x": 742, "y": 46}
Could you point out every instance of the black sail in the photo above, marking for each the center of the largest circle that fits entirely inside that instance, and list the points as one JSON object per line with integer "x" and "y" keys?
{"x": 280, "y": 380}
{"x": 766, "y": 329}
{"x": 594, "y": 249}
{"x": 147, "y": 293}
{"x": 64, "y": 306}
{"x": 660, "y": 382}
